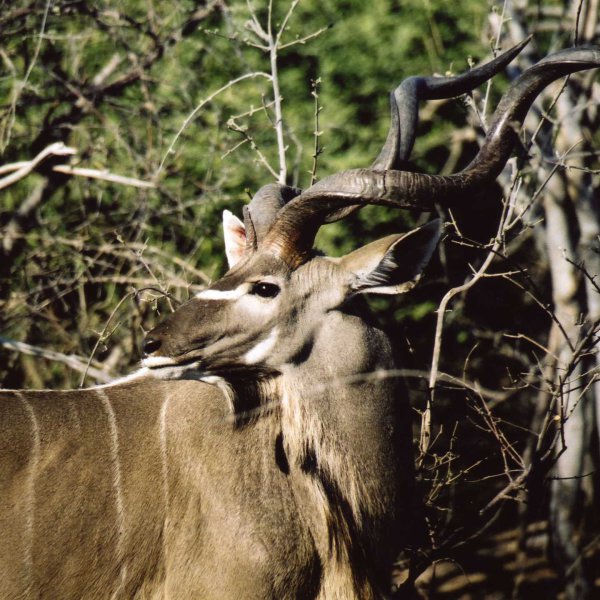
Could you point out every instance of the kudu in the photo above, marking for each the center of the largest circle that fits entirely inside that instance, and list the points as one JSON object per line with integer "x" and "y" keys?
{"x": 261, "y": 452}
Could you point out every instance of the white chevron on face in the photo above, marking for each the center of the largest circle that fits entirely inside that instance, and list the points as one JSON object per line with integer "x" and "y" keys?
{"x": 262, "y": 349}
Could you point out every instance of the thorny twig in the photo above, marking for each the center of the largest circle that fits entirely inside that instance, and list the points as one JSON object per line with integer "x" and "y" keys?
{"x": 507, "y": 212}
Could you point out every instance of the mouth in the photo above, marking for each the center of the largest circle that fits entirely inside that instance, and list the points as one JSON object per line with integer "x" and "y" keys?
{"x": 157, "y": 362}
{"x": 163, "y": 367}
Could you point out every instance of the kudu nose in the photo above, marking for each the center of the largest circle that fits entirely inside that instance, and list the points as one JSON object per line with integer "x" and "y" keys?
{"x": 150, "y": 345}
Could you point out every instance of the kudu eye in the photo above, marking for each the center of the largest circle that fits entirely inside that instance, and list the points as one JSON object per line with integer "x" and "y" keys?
{"x": 265, "y": 289}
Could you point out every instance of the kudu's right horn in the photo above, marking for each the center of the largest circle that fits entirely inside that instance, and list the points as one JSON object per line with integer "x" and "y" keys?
{"x": 292, "y": 234}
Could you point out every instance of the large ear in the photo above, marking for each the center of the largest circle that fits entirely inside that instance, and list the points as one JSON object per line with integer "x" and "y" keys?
{"x": 394, "y": 264}
{"x": 234, "y": 233}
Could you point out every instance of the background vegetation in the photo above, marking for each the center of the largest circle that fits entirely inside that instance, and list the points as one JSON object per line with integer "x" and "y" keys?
{"x": 179, "y": 97}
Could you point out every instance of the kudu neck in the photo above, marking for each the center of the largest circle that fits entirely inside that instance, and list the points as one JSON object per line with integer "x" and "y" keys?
{"x": 343, "y": 422}
{"x": 344, "y": 401}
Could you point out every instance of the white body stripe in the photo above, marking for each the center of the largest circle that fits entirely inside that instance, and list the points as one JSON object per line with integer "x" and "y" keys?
{"x": 32, "y": 471}
{"x": 212, "y": 379}
{"x": 162, "y": 435}
{"x": 117, "y": 485}
{"x": 163, "y": 450}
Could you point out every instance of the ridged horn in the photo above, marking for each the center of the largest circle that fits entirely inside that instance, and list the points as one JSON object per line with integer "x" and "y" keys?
{"x": 292, "y": 235}
{"x": 404, "y": 110}
{"x": 404, "y": 104}
{"x": 260, "y": 213}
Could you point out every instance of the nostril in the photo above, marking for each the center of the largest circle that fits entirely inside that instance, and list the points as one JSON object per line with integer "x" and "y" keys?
{"x": 151, "y": 345}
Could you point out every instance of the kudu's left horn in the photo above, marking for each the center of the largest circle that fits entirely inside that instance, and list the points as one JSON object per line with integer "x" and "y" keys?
{"x": 261, "y": 212}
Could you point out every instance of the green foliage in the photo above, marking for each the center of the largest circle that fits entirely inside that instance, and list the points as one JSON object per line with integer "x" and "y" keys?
{"x": 179, "y": 94}
{"x": 117, "y": 82}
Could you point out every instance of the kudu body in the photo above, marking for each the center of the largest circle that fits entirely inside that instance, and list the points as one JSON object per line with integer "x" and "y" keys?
{"x": 261, "y": 452}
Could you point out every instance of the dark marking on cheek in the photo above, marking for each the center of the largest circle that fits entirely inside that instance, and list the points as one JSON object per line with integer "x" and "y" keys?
{"x": 303, "y": 352}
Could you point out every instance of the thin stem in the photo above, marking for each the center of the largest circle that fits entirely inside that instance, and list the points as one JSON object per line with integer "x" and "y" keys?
{"x": 278, "y": 112}
{"x": 317, "y": 149}
{"x": 507, "y": 211}
{"x": 20, "y": 86}
{"x": 306, "y": 38}
{"x": 250, "y": 140}
{"x": 102, "y": 335}
{"x": 286, "y": 19}
{"x": 202, "y": 104}
{"x": 488, "y": 87}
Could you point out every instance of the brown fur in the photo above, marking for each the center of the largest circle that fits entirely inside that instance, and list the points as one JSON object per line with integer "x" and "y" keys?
{"x": 289, "y": 475}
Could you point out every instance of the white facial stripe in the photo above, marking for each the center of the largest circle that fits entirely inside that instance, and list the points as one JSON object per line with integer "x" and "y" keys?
{"x": 260, "y": 351}
{"x": 157, "y": 361}
{"x": 239, "y": 291}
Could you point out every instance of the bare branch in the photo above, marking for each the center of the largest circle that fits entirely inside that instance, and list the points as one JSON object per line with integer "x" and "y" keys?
{"x": 306, "y": 38}
{"x": 77, "y": 363}
{"x": 22, "y": 169}
{"x": 441, "y": 313}
{"x": 103, "y": 176}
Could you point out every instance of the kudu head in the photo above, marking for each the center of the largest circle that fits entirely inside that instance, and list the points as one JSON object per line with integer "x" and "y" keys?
{"x": 263, "y": 314}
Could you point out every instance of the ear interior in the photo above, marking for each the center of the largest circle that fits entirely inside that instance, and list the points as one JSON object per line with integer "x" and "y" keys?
{"x": 393, "y": 265}
{"x": 234, "y": 233}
